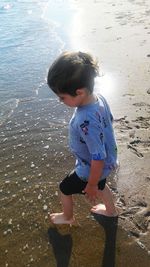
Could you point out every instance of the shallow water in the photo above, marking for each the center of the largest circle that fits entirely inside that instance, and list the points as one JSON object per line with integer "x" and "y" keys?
{"x": 32, "y": 34}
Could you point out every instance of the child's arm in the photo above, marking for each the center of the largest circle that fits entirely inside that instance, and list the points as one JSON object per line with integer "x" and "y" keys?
{"x": 91, "y": 188}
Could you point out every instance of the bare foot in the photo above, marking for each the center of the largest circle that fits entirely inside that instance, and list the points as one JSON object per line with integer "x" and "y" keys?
{"x": 101, "y": 209}
{"x": 59, "y": 218}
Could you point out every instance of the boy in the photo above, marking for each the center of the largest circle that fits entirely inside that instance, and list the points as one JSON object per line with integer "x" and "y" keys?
{"x": 91, "y": 136}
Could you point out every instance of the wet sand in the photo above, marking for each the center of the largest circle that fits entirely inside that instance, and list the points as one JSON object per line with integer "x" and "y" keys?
{"x": 34, "y": 156}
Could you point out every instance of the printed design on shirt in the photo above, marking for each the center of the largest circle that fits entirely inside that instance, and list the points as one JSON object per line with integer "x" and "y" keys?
{"x": 104, "y": 122}
{"x": 98, "y": 116}
{"x": 101, "y": 119}
{"x": 82, "y": 141}
{"x": 101, "y": 137}
{"x": 84, "y": 127}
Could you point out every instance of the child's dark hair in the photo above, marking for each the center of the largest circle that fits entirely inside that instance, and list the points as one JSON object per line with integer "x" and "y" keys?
{"x": 72, "y": 71}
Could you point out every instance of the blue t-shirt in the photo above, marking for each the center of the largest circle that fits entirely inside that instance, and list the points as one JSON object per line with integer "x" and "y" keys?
{"x": 91, "y": 137}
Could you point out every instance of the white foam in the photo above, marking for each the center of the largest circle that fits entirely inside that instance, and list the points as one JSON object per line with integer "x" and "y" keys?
{"x": 7, "y": 108}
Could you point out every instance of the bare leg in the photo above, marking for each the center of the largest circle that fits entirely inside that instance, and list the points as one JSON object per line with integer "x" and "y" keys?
{"x": 108, "y": 208}
{"x": 65, "y": 217}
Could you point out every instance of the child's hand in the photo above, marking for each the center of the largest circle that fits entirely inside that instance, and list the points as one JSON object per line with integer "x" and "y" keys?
{"x": 91, "y": 192}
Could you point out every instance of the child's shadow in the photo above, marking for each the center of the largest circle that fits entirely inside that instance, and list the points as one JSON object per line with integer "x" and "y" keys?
{"x": 62, "y": 246}
{"x": 110, "y": 225}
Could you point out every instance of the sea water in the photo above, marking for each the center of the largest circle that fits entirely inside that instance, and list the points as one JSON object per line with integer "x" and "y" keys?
{"x": 32, "y": 34}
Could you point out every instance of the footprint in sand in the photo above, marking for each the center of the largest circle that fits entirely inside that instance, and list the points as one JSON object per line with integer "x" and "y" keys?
{"x": 143, "y": 121}
{"x": 135, "y": 151}
{"x": 142, "y": 219}
{"x": 141, "y": 104}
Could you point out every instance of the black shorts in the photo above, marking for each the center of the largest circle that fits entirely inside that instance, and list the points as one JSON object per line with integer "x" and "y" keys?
{"x": 72, "y": 184}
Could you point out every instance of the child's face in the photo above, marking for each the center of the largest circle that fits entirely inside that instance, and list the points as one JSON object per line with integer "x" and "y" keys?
{"x": 71, "y": 101}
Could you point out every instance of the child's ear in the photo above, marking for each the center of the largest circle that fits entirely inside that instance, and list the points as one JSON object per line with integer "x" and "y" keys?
{"x": 80, "y": 92}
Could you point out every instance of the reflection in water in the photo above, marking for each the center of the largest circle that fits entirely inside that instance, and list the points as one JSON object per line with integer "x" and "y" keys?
{"x": 110, "y": 225}
{"x": 62, "y": 246}
{"x": 105, "y": 85}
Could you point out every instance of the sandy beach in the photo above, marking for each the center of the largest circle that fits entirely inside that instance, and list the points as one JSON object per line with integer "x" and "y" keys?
{"x": 34, "y": 154}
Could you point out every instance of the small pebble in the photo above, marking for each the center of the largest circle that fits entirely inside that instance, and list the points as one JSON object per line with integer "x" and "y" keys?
{"x": 31, "y": 259}
{"x": 7, "y": 166}
{"x": 5, "y": 233}
{"x": 32, "y": 165}
{"x": 46, "y": 147}
{"x": 10, "y": 221}
{"x": 18, "y": 227}
{"x": 45, "y": 207}
{"x": 141, "y": 244}
{"x": 26, "y": 247}
{"x": 39, "y": 196}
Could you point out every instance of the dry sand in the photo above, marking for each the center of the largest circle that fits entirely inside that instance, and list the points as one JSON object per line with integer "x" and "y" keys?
{"x": 118, "y": 33}
{"x": 34, "y": 154}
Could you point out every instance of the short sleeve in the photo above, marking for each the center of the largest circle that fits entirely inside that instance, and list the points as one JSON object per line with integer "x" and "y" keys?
{"x": 91, "y": 131}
